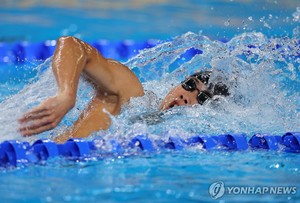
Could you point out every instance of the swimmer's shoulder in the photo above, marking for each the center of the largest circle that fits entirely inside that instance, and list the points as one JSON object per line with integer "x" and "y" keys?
{"x": 128, "y": 83}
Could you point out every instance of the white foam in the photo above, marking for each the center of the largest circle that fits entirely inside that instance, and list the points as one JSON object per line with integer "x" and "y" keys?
{"x": 263, "y": 80}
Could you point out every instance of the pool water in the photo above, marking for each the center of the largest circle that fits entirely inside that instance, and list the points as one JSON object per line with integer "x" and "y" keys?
{"x": 262, "y": 71}
{"x": 141, "y": 20}
{"x": 173, "y": 176}
{"x": 183, "y": 176}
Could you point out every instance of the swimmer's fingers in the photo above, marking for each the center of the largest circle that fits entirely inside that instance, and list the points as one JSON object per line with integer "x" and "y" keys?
{"x": 36, "y": 113}
{"x": 37, "y": 123}
{"x": 29, "y": 132}
{"x": 38, "y": 126}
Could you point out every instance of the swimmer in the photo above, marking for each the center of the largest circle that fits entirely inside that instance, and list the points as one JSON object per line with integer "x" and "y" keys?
{"x": 114, "y": 83}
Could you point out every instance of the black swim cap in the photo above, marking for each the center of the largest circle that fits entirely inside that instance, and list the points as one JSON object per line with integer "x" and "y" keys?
{"x": 203, "y": 76}
{"x": 218, "y": 88}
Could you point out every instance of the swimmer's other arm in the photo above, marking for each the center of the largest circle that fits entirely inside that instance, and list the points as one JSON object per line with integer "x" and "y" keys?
{"x": 115, "y": 84}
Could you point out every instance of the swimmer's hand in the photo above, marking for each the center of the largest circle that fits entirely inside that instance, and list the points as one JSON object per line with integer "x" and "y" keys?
{"x": 46, "y": 116}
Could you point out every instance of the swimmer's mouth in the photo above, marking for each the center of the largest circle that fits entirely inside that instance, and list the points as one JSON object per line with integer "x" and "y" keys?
{"x": 173, "y": 104}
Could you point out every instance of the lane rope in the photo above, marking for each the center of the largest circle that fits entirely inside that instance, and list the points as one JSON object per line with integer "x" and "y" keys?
{"x": 14, "y": 152}
{"x": 20, "y": 52}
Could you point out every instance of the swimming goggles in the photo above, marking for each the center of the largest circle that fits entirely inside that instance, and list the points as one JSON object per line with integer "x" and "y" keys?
{"x": 191, "y": 85}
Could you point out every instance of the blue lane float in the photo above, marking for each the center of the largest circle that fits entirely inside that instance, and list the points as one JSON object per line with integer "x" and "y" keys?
{"x": 233, "y": 141}
{"x": 43, "y": 149}
{"x": 291, "y": 141}
{"x": 207, "y": 142}
{"x": 265, "y": 141}
{"x": 20, "y": 52}
{"x": 143, "y": 142}
{"x": 14, "y": 153}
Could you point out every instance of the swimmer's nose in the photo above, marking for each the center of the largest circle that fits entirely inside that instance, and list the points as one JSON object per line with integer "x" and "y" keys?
{"x": 182, "y": 101}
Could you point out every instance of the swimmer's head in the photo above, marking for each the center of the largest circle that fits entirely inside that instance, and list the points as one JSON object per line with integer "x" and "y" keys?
{"x": 195, "y": 89}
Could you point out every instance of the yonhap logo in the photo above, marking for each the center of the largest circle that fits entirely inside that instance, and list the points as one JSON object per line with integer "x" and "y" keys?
{"x": 217, "y": 190}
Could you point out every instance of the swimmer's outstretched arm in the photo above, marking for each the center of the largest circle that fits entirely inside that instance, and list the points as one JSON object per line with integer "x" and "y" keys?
{"x": 114, "y": 82}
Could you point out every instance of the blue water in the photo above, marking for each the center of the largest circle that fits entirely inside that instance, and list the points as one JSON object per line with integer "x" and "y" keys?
{"x": 262, "y": 69}
{"x": 167, "y": 177}
{"x": 141, "y": 20}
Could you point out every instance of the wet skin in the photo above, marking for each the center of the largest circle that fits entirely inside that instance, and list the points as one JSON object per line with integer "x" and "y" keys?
{"x": 178, "y": 96}
{"x": 74, "y": 58}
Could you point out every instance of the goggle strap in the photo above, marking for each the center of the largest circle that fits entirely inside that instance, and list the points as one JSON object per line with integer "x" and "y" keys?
{"x": 203, "y": 76}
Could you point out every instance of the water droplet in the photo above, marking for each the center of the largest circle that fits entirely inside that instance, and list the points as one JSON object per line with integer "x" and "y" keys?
{"x": 262, "y": 19}
{"x": 267, "y": 25}
{"x": 296, "y": 15}
{"x": 270, "y": 16}
{"x": 276, "y": 165}
{"x": 227, "y": 23}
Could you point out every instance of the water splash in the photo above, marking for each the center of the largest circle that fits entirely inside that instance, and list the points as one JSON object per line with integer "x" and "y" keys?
{"x": 262, "y": 73}
{"x": 296, "y": 15}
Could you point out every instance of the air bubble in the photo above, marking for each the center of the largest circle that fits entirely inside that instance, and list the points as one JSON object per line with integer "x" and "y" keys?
{"x": 227, "y": 23}
{"x": 270, "y": 16}
{"x": 296, "y": 15}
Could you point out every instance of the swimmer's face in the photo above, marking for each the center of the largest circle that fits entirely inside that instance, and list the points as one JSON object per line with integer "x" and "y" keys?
{"x": 178, "y": 96}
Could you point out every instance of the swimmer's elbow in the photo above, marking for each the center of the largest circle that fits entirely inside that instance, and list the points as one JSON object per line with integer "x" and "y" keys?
{"x": 67, "y": 40}
{"x": 71, "y": 43}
